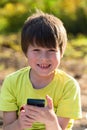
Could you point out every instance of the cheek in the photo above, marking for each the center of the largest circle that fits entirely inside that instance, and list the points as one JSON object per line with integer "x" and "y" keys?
{"x": 31, "y": 59}
{"x": 56, "y": 59}
{"x": 30, "y": 56}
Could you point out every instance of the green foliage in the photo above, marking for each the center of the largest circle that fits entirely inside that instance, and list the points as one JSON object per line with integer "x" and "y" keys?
{"x": 11, "y": 41}
{"x": 77, "y": 47}
{"x": 12, "y": 17}
{"x": 73, "y": 13}
{"x": 4, "y": 24}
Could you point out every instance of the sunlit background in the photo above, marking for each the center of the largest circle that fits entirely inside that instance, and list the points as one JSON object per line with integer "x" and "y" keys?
{"x": 73, "y": 13}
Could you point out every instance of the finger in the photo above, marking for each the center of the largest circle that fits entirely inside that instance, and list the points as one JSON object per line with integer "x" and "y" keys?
{"x": 22, "y": 113}
{"x": 31, "y": 108}
{"x": 26, "y": 120}
{"x": 49, "y": 102}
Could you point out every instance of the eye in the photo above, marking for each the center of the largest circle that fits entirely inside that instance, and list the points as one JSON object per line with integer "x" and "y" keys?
{"x": 36, "y": 50}
{"x": 52, "y": 50}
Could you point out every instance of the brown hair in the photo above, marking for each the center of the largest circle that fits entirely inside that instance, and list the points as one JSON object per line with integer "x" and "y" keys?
{"x": 44, "y": 30}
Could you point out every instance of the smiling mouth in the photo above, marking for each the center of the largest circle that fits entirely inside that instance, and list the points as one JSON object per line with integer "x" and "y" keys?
{"x": 42, "y": 66}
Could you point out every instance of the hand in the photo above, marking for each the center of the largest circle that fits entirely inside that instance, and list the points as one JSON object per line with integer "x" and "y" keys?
{"x": 23, "y": 120}
{"x": 45, "y": 115}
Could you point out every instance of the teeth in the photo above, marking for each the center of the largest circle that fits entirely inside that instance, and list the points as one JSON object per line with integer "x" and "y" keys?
{"x": 43, "y": 66}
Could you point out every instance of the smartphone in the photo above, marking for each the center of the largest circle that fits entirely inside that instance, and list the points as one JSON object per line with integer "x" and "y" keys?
{"x": 36, "y": 102}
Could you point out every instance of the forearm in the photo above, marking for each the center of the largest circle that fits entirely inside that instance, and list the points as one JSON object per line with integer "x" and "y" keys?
{"x": 54, "y": 125}
{"x": 12, "y": 126}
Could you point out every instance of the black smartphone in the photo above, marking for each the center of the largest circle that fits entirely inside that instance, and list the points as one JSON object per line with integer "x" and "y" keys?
{"x": 36, "y": 102}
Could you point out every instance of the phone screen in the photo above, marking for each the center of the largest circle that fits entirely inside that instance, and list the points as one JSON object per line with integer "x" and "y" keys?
{"x": 36, "y": 102}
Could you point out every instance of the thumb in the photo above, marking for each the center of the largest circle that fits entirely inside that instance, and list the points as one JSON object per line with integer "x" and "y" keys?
{"x": 49, "y": 102}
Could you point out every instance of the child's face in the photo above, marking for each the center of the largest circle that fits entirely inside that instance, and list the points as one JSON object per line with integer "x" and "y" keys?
{"x": 43, "y": 61}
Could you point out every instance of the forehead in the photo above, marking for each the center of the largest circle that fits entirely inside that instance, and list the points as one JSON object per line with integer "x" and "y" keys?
{"x": 40, "y": 47}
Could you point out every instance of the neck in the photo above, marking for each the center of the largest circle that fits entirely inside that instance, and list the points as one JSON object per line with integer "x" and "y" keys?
{"x": 38, "y": 81}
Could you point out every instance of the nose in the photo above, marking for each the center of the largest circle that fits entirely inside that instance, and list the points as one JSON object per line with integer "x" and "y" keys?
{"x": 44, "y": 56}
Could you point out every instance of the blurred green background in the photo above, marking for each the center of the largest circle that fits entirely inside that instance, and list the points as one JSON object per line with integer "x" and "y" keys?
{"x": 13, "y": 13}
{"x": 73, "y": 13}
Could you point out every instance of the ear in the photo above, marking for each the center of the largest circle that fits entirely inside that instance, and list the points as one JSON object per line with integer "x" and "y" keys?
{"x": 26, "y": 54}
{"x": 61, "y": 55}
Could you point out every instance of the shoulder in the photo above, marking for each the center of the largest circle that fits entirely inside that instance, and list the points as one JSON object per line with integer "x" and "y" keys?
{"x": 18, "y": 73}
{"x": 67, "y": 80}
{"x": 16, "y": 78}
{"x": 63, "y": 75}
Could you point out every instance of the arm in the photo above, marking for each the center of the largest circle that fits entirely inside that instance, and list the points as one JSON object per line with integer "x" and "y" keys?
{"x": 63, "y": 122}
{"x": 12, "y": 122}
{"x": 60, "y": 124}
{"x": 33, "y": 114}
{"x": 47, "y": 116}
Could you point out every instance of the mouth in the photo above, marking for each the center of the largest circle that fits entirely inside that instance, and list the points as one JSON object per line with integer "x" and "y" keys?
{"x": 44, "y": 66}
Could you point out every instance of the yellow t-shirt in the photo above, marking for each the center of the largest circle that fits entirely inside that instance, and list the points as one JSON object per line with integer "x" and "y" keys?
{"x": 63, "y": 89}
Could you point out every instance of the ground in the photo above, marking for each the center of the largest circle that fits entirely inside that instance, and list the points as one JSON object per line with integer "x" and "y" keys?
{"x": 75, "y": 67}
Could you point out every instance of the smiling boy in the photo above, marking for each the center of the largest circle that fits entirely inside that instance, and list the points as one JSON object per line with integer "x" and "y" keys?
{"x": 43, "y": 41}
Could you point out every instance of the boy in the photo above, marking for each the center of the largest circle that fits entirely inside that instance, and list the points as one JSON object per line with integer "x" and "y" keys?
{"x": 43, "y": 41}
